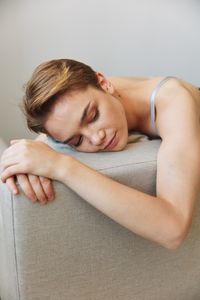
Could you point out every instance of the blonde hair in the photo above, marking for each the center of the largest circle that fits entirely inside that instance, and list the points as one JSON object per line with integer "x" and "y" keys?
{"x": 48, "y": 81}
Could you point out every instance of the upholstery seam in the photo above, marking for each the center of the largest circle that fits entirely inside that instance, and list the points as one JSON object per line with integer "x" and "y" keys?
{"x": 128, "y": 164}
{"x": 15, "y": 248}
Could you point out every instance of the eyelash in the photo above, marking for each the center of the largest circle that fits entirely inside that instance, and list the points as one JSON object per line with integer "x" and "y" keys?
{"x": 96, "y": 116}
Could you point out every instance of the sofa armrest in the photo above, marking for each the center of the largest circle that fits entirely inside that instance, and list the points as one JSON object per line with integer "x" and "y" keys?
{"x": 70, "y": 250}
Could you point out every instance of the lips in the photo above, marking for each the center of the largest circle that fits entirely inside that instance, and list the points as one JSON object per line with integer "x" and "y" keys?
{"x": 112, "y": 143}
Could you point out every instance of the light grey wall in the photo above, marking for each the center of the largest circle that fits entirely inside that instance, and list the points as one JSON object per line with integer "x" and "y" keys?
{"x": 129, "y": 37}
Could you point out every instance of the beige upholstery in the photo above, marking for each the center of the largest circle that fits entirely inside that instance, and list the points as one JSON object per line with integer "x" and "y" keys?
{"x": 68, "y": 250}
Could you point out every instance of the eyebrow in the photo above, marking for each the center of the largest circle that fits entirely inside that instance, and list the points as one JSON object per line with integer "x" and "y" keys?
{"x": 84, "y": 114}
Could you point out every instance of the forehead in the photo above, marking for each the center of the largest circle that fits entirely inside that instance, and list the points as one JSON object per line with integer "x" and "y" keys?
{"x": 65, "y": 114}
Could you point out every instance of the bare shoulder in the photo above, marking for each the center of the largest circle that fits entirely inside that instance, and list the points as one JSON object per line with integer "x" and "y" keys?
{"x": 178, "y": 108}
{"x": 174, "y": 97}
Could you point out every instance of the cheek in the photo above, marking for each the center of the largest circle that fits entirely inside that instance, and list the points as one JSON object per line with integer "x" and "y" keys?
{"x": 87, "y": 147}
{"x": 111, "y": 114}
{"x": 117, "y": 111}
{"x": 118, "y": 118}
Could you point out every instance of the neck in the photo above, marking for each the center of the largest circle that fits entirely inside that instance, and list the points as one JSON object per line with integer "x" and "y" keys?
{"x": 135, "y": 109}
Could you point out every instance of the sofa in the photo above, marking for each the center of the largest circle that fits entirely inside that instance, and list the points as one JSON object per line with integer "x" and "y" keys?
{"x": 68, "y": 250}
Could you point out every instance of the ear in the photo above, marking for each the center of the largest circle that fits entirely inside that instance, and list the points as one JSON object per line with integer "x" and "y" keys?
{"x": 105, "y": 84}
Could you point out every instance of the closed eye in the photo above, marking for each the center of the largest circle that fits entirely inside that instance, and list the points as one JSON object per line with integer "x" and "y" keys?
{"x": 94, "y": 118}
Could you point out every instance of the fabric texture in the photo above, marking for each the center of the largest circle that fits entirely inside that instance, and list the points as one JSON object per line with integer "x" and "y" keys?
{"x": 68, "y": 250}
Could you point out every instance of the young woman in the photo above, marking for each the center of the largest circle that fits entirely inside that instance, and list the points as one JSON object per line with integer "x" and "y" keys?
{"x": 68, "y": 101}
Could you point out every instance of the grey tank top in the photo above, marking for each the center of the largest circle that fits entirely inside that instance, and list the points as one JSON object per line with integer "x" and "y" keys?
{"x": 152, "y": 100}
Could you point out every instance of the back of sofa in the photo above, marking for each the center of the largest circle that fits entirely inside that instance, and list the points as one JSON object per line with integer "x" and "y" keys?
{"x": 68, "y": 250}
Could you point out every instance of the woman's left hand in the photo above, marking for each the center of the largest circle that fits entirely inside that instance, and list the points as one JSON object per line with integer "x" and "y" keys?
{"x": 30, "y": 157}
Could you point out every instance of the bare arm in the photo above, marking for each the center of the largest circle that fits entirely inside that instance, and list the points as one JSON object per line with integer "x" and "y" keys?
{"x": 178, "y": 161}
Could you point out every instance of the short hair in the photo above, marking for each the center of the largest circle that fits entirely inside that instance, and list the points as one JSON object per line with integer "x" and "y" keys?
{"x": 50, "y": 80}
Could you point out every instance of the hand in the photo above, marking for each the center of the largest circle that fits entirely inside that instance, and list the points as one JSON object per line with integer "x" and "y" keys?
{"x": 36, "y": 188}
{"x": 30, "y": 157}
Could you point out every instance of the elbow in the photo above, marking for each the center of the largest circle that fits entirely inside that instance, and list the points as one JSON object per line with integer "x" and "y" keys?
{"x": 175, "y": 244}
{"x": 177, "y": 237}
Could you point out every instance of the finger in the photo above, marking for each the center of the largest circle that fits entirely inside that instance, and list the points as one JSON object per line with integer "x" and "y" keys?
{"x": 38, "y": 188}
{"x": 47, "y": 187}
{"x": 7, "y": 162}
{"x": 10, "y": 182}
{"x": 10, "y": 171}
{"x": 26, "y": 187}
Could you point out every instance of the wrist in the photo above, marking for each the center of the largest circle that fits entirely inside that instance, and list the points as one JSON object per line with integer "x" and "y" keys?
{"x": 63, "y": 167}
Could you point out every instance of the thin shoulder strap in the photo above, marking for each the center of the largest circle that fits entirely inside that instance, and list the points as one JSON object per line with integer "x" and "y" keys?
{"x": 152, "y": 100}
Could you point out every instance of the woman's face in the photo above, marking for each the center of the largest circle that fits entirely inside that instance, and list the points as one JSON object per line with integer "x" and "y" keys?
{"x": 89, "y": 121}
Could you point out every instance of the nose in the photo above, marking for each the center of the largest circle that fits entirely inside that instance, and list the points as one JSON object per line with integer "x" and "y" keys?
{"x": 97, "y": 137}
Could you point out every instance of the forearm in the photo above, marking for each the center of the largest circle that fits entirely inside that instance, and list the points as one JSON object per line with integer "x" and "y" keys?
{"x": 143, "y": 214}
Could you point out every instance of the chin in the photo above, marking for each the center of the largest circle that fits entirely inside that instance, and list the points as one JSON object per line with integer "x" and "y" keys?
{"x": 121, "y": 146}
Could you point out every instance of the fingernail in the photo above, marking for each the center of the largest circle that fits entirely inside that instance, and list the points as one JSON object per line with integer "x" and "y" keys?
{"x": 15, "y": 192}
